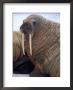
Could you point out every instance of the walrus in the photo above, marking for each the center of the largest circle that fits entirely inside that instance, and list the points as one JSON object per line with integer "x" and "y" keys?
{"x": 18, "y": 45}
{"x": 44, "y": 38}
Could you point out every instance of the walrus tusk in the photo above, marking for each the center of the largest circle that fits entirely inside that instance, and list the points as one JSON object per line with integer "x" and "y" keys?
{"x": 30, "y": 43}
{"x": 23, "y": 44}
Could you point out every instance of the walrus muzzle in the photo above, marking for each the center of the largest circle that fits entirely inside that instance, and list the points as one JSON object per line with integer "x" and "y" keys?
{"x": 28, "y": 30}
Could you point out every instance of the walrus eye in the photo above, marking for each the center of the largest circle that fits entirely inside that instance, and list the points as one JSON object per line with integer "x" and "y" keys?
{"x": 34, "y": 23}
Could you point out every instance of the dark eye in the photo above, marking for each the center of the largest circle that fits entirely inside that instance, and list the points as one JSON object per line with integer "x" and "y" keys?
{"x": 34, "y": 23}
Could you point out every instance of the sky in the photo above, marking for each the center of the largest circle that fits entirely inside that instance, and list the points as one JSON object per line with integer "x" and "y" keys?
{"x": 17, "y": 18}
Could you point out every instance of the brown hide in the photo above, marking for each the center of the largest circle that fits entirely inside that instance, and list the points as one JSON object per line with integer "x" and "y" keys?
{"x": 45, "y": 45}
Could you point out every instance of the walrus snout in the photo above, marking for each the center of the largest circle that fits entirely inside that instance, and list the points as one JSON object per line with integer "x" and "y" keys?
{"x": 27, "y": 27}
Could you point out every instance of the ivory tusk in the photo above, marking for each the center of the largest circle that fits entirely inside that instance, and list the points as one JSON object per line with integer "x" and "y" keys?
{"x": 30, "y": 43}
{"x": 23, "y": 43}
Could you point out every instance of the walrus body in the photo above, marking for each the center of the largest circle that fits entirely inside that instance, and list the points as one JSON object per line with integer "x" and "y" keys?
{"x": 45, "y": 44}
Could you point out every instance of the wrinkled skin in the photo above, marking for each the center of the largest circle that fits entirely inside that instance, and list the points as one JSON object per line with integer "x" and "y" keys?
{"x": 45, "y": 43}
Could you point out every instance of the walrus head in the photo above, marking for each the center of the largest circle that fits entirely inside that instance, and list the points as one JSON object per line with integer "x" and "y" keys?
{"x": 29, "y": 27}
{"x": 31, "y": 24}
